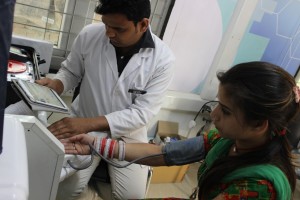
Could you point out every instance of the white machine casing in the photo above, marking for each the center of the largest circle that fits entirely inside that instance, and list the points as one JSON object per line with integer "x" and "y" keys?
{"x": 13, "y": 162}
{"x": 45, "y": 155}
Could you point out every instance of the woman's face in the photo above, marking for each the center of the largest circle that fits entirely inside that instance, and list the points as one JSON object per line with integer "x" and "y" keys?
{"x": 228, "y": 119}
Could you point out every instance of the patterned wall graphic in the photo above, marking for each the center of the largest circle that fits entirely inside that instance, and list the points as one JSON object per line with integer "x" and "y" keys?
{"x": 273, "y": 35}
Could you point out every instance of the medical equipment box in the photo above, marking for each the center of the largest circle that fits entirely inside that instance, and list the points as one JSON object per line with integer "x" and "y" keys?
{"x": 171, "y": 174}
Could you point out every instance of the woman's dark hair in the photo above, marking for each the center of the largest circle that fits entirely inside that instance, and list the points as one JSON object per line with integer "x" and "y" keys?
{"x": 134, "y": 10}
{"x": 261, "y": 91}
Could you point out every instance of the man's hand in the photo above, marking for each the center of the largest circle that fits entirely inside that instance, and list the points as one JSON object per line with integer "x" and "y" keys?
{"x": 54, "y": 84}
{"x": 68, "y": 127}
{"x": 78, "y": 144}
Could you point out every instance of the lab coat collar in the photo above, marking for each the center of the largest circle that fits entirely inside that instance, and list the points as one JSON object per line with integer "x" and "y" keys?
{"x": 110, "y": 55}
{"x": 147, "y": 46}
{"x": 134, "y": 63}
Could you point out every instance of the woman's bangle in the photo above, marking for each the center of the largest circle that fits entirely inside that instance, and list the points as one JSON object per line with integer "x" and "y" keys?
{"x": 105, "y": 147}
{"x": 121, "y": 150}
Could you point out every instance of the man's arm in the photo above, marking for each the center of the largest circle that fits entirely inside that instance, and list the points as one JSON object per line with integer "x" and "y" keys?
{"x": 68, "y": 127}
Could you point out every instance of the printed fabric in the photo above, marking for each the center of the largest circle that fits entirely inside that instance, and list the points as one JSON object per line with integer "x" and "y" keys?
{"x": 254, "y": 182}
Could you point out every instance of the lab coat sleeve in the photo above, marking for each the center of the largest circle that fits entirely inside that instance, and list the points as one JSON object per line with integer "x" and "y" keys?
{"x": 184, "y": 151}
{"x": 72, "y": 69}
{"x": 133, "y": 119}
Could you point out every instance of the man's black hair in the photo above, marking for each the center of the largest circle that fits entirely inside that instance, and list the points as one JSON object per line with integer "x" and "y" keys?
{"x": 134, "y": 10}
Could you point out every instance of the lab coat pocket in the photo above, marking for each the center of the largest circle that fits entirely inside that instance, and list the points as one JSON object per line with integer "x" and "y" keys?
{"x": 136, "y": 92}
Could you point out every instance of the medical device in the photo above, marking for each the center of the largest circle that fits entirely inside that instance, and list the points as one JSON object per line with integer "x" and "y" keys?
{"x": 205, "y": 110}
{"x": 45, "y": 156}
{"x": 39, "y": 97}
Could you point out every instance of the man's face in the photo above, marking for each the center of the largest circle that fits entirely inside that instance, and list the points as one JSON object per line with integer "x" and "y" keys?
{"x": 121, "y": 32}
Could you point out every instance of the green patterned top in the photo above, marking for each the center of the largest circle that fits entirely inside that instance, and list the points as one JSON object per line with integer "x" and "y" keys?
{"x": 254, "y": 182}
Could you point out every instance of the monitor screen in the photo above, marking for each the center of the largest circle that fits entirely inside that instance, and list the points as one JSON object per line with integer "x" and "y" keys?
{"x": 6, "y": 20}
{"x": 41, "y": 94}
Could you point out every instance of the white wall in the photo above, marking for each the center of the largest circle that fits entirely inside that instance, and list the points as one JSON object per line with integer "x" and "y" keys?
{"x": 229, "y": 45}
{"x": 182, "y": 108}
{"x": 194, "y": 32}
{"x": 194, "y": 40}
{"x": 195, "y": 35}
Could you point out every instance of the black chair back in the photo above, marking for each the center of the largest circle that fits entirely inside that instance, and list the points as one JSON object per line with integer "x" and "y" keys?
{"x": 293, "y": 132}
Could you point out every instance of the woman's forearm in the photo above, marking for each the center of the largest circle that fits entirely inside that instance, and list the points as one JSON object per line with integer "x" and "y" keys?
{"x": 138, "y": 150}
{"x": 174, "y": 153}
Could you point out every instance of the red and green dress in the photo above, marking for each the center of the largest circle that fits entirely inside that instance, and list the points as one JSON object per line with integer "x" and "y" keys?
{"x": 263, "y": 182}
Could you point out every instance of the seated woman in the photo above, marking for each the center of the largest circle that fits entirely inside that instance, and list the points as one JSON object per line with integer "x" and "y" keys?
{"x": 247, "y": 156}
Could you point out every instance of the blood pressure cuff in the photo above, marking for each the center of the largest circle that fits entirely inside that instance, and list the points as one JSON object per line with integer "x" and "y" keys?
{"x": 184, "y": 152}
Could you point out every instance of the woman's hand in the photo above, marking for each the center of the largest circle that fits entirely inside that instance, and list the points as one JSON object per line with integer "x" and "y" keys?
{"x": 78, "y": 144}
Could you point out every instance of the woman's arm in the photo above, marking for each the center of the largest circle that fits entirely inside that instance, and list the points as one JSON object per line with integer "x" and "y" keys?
{"x": 79, "y": 145}
{"x": 138, "y": 150}
{"x": 174, "y": 153}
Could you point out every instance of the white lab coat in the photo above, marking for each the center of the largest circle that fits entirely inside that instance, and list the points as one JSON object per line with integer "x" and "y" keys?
{"x": 102, "y": 92}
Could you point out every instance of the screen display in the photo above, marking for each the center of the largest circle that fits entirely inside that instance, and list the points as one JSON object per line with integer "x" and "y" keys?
{"x": 40, "y": 94}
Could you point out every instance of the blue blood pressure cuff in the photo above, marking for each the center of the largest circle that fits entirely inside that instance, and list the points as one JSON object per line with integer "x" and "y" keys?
{"x": 184, "y": 151}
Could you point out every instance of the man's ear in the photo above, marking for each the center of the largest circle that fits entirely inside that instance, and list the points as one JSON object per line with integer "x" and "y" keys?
{"x": 144, "y": 24}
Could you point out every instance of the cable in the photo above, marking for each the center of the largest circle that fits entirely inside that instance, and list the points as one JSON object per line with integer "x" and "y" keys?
{"x": 50, "y": 115}
{"x": 84, "y": 167}
{"x": 94, "y": 152}
{"x": 203, "y": 108}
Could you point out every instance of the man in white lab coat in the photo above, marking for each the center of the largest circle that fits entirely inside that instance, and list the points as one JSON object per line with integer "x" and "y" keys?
{"x": 124, "y": 71}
